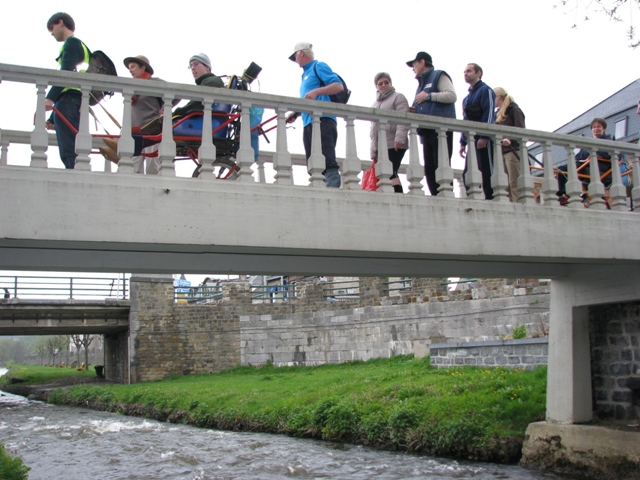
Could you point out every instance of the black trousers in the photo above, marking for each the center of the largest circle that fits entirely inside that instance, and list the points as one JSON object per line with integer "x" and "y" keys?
{"x": 429, "y": 140}
{"x": 485, "y": 165}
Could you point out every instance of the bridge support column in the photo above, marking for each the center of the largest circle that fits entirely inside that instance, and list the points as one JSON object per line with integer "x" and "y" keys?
{"x": 569, "y": 391}
{"x": 569, "y": 375}
{"x": 116, "y": 357}
{"x": 151, "y": 302}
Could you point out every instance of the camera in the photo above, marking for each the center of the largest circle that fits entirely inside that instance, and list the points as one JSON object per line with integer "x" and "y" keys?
{"x": 251, "y": 72}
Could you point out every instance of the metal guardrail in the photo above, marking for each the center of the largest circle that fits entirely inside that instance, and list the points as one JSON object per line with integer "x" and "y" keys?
{"x": 404, "y": 283}
{"x": 343, "y": 290}
{"x": 273, "y": 293}
{"x": 197, "y": 294}
{"x": 42, "y": 287}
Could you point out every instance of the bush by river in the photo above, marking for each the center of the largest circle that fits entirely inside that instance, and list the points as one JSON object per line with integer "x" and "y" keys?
{"x": 399, "y": 403}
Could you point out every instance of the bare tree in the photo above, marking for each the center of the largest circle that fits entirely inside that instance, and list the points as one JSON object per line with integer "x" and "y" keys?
{"x": 41, "y": 350}
{"x": 55, "y": 345}
{"x": 77, "y": 342}
{"x": 617, "y": 10}
{"x": 86, "y": 341}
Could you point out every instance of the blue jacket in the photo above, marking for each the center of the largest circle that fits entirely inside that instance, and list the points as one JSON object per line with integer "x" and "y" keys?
{"x": 482, "y": 96}
{"x": 583, "y": 154}
{"x": 311, "y": 81}
{"x": 428, "y": 82}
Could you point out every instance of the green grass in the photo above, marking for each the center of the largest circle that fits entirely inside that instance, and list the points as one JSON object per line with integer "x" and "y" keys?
{"x": 35, "y": 374}
{"x": 399, "y": 403}
{"x": 11, "y": 468}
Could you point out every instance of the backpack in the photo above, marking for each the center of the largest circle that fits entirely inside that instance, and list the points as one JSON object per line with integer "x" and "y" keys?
{"x": 100, "y": 63}
{"x": 343, "y": 96}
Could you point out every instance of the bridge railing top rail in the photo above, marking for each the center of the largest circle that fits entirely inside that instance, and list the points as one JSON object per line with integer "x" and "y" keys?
{"x": 49, "y": 287}
{"x": 539, "y": 189}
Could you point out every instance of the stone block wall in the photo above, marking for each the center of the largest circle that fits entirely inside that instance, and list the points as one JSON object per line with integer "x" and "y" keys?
{"x": 169, "y": 338}
{"x": 526, "y": 353}
{"x": 615, "y": 360}
{"x": 382, "y": 331}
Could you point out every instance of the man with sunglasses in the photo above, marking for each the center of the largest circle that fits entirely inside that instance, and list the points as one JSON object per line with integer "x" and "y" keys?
{"x": 435, "y": 96}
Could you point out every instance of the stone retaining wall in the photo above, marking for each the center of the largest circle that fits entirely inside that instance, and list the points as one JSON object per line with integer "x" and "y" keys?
{"x": 526, "y": 353}
{"x": 383, "y": 331}
{"x": 615, "y": 360}
{"x": 168, "y": 339}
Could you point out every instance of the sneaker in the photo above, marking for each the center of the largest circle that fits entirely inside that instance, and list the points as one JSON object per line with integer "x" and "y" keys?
{"x": 563, "y": 199}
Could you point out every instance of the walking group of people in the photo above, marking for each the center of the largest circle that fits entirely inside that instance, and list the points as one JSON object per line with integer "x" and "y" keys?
{"x": 434, "y": 96}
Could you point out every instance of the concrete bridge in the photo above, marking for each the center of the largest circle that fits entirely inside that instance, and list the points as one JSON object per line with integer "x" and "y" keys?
{"x": 85, "y": 220}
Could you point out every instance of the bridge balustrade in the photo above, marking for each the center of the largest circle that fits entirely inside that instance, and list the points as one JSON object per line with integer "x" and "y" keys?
{"x": 46, "y": 287}
{"x": 351, "y": 166}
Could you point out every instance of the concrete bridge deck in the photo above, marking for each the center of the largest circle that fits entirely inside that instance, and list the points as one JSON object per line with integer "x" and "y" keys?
{"x": 63, "y": 317}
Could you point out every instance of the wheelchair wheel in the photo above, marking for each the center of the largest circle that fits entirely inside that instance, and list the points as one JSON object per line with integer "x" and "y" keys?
{"x": 223, "y": 169}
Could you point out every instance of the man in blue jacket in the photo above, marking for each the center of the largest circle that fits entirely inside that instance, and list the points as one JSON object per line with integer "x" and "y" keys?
{"x": 479, "y": 106}
{"x": 435, "y": 96}
{"x": 318, "y": 83}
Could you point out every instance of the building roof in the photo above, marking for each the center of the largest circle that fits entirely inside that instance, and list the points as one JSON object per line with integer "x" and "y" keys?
{"x": 610, "y": 106}
{"x": 621, "y": 106}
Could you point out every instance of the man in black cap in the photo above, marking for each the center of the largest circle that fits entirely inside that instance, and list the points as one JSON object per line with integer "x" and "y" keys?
{"x": 435, "y": 96}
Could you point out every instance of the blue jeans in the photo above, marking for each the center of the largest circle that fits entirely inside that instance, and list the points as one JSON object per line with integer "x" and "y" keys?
{"x": 68, "y": 104}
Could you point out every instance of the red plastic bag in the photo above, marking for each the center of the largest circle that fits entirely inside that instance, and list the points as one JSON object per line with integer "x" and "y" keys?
{"x": 369, "y": 180}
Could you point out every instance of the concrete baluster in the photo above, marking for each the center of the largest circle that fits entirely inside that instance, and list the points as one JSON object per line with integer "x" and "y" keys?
{"x": 282, "y": 157}
{"x": 596, "y": 187}
{"x": 383, "y": 167}
{"x": 499, "y": 179}
{"x": 473, "y": 178}
{"x": 126, "y": 144}
{"x": 635, "y": 191}
{"x": 245, "y": 155}
{"x": 39, "y": 135}
{"x": 352, "y": 166}
{"x": 207, "y": 150}
{"x": 4, "y": 149}
{"x": 617, "y": 191}
{"x": 574, "y": 185}
{"x": 316, "y": 163}
{"x": 415, "y": 171}
{"x": 444, "y": 173}
{"x": 167, "y": 149}
{"x": 549, "y": 185}
{"x": 525, "y": 180}
{"x": 84, "y": 140}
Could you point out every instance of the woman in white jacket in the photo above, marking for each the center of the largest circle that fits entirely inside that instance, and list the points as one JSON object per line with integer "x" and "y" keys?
{"x": 397, "y": 141}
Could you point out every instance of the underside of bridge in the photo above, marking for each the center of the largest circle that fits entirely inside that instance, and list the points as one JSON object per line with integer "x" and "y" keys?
{"x": 72, "y": 317}
{"x": 62, "y": 318}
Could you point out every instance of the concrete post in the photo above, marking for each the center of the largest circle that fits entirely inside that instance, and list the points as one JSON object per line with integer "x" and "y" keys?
{"x": 372, "y": 290}
{"x": 236, "y": 293}
{"x": 569, "y": 377}
{"x": 308, "y": 294}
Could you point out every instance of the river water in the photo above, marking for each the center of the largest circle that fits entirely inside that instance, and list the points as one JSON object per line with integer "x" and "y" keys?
{"x": 75, "y": 443}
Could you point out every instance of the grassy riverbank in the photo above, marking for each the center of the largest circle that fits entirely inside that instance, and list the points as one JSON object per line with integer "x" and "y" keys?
{"x": 12, "y": 468}
{"x": 398, "y": 403}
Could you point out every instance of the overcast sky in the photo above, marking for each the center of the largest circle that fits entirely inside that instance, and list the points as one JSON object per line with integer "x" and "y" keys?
{"x": 555, "y": 72}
